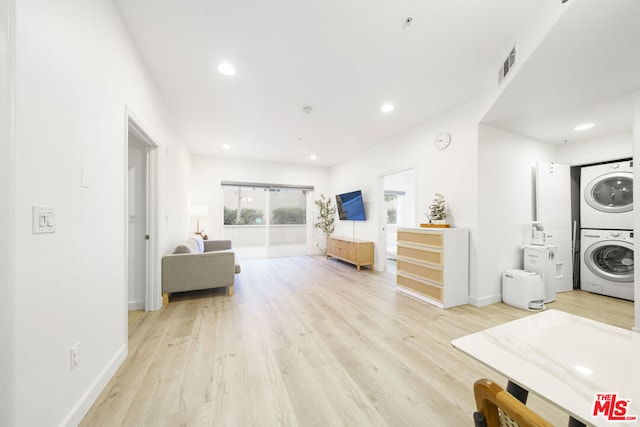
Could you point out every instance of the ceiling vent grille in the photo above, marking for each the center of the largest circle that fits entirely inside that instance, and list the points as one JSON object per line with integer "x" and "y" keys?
{"x": 507, "y": 65}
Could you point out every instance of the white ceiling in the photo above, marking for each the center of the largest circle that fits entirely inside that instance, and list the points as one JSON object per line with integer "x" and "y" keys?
{"x": 585, "y": 70}
{"x": 346, "y": 58}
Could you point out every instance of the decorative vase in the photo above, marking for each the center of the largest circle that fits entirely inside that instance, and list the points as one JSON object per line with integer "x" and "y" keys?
{"x": 438, "y": 221}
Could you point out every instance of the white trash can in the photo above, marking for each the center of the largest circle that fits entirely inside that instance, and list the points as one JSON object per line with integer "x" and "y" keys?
{"x": 523, "y": 289}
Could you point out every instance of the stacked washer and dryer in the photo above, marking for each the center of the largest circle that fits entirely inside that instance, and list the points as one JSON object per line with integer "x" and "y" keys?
{"x": 606, "y": 222}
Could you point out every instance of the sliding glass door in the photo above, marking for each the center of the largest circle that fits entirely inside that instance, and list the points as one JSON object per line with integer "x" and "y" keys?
{"x": 264, "y": 220}
{"x": 287, "y": 230}
{"x": 244, "y": 220}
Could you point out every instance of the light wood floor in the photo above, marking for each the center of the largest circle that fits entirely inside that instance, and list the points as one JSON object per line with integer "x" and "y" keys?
{"x": 134, "y": 318}
{"x": 307, "y": 341}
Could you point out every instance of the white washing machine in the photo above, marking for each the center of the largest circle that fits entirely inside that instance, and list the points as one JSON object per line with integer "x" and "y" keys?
{"x": 607, "y": 196}
{"x": 607, "y": 262}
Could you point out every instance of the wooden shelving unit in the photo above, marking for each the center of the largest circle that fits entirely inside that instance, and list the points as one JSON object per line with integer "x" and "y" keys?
{"x": 433, "y": 265}
{"x": 356, "y": 252}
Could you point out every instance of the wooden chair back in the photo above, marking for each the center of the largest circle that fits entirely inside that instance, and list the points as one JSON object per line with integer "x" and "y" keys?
{"x": 500, "y": 409}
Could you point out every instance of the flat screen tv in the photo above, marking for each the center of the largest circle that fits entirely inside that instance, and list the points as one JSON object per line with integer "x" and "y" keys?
{"x": 350, "y": 206}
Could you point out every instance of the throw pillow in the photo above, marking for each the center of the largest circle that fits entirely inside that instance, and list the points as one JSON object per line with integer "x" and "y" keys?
{"x": 199, "y": 242}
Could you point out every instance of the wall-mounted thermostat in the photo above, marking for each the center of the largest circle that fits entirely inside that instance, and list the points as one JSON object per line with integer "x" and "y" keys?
{"x": 44, "y": 219}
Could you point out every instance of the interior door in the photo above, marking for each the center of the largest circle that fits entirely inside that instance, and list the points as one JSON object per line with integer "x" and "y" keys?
{"x": 553, "y": 210}
{"x": 137, "y": 230}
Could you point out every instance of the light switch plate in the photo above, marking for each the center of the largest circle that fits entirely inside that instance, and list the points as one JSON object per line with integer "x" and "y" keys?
{"x": 44, "y": 219}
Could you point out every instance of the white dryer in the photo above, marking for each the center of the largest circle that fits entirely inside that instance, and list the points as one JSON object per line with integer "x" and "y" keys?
{"x": 607, "y": 196}
{"x": 607, "y": 262}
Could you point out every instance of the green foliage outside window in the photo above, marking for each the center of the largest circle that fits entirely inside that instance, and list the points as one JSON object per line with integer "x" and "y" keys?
{"x": 248, "y": 216}
{"x": 289, "y": 216}
{"x": 391, "y": 216}
{"x": 230, "y": 216}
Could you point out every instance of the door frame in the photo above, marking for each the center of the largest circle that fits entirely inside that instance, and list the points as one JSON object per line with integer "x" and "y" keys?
{"x": 153, "y": 290}
{"x": 381, "y": 249}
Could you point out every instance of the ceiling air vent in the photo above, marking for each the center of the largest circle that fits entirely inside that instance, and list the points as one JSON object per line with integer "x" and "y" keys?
{"x": 507, "y": 65}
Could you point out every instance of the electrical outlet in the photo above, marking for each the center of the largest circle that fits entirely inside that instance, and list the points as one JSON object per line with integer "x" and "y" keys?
{"x": 75, "y": 356}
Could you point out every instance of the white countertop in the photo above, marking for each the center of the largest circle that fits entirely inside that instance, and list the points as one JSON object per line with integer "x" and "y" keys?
{"x": 564, "y": 359}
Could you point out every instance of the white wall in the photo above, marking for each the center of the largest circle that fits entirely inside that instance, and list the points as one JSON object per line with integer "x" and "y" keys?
{"x": 506, "y": 205}
{"x": 175, "y": 180}
{"x": 76, "y": 71}
{"x": 7, "y": 171}
{"x": 208, "y": 172}
{"x": 452, "y": 172}
{"x": 611, "y": 147}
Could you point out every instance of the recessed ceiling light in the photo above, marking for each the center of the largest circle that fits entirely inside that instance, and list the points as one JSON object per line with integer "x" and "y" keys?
{"x": 584, "y": 126}
{"x": 313, "y": 157}
{"x": 226, "y": 69}
{"x": 226, "y": 147}
{"x": 387, "y": 108}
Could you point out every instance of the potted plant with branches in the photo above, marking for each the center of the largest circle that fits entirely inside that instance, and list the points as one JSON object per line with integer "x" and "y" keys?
{"x": 325, "y": 221}
{"x": 437, "y": 210}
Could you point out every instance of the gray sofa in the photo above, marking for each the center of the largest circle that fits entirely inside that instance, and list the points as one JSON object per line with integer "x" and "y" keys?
{"x": 199, "y": 264}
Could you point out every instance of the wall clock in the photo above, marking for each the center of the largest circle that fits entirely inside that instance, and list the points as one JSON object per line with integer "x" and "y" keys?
{"x": 442, "y": 141}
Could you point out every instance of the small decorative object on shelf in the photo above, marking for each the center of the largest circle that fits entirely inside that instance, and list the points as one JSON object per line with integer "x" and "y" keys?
{"x": 437, "y": 212}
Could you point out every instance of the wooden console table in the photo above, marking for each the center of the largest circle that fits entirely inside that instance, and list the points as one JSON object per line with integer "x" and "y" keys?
{"x": 357, "y": 252}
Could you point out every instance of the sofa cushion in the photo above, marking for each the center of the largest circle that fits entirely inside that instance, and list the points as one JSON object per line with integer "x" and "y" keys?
{"x": 189, "y": 246}
{"x": 217, "y": 245}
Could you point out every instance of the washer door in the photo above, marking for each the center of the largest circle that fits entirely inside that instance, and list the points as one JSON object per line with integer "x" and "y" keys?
{"x": 611, "y": 192}
{"x": 611, "y": 260}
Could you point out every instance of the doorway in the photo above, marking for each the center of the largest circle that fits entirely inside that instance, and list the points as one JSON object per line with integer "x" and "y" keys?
{"x": 399, "y": 211}
{"x": 141, "y": 220}
{"x": 137, "y": 222}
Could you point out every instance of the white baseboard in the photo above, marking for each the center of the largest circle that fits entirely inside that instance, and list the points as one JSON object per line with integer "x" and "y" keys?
{"x": 481, "y": 302}
{"x": 82, "y": 406}
{"x": 136, "y": 305}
